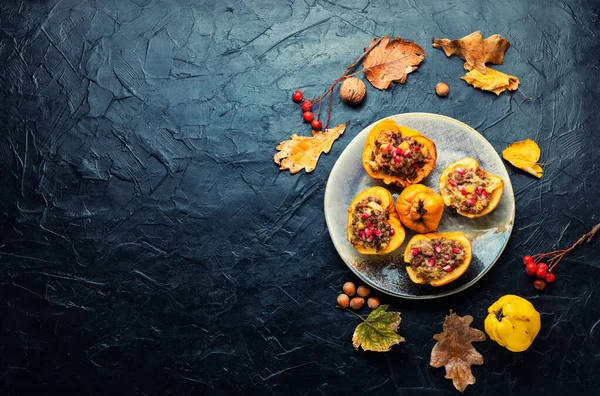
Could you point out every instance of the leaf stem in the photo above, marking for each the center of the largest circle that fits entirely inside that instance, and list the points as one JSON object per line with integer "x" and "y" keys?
{"x": 355, "y": 314}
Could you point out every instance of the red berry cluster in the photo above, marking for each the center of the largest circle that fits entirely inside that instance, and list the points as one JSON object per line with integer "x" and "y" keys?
{"x": 307, "y": 114}
{"x": 539, "y": 270}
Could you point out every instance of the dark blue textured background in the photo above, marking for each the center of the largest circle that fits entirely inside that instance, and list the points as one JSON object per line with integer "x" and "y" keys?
{"x": 149, "y": 245}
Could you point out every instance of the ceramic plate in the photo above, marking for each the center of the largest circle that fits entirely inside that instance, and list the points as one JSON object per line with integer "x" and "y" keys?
{"x": 489, "y": 234}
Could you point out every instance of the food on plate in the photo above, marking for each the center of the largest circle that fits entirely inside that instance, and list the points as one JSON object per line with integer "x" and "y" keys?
{"x": 420, "y": 208}
{"x": 398, "y": 155}
{"x": 513, "y": 322}
{"x": 373, "y": 225}
{"x": 437, "y": 258}
{"x": 472, "y": 191}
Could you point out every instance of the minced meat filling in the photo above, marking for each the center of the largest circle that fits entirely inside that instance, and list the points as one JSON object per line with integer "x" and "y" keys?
{"x": 469, "y": 190}
{"x": 397, "y": 155}
{"x": 370, "y": 224}
{"x": 431, "y": 259}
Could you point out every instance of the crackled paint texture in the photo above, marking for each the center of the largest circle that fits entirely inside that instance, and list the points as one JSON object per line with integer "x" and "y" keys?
{"x": 149, "y": 245}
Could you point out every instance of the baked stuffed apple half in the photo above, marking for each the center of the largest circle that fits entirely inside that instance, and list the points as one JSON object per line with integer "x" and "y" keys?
{"x": 472, "y": 191}
{"x": 373, "y": 225}
{"x": 397, "y": 154}
{"x": 437, "y": 258}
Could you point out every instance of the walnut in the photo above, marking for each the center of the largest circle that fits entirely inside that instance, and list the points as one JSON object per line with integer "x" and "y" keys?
{"x": 353, "y": 91}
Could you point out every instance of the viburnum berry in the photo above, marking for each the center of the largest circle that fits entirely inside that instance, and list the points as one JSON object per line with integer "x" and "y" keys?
{"x": 540, "y": 272}
{"x": 308, "y": 116}
{"x": 530, "y": 268}
{"x": 539, "y": 284}
{"x": 527, "y": 259}
{"x": 316, "y": 125}
{"x": 297, "y": 96}
{"x": 550, "y": 278}
{"x": 306, "y": 106}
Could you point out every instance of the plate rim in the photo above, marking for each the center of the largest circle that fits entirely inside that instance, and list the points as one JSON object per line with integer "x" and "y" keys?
{"x": 447, "y": 293}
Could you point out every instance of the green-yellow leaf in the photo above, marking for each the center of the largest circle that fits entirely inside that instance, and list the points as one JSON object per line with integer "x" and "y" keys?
{"x": 379, "y": 331}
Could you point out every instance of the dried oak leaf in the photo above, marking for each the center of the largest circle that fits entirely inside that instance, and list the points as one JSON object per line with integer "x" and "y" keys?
{"x": 303, "y": 152}
{"x": 493, "y": 81}
{"x": 475, "y": 51}
{"x": 454, "y": 350}
{"x": 390, "y": 61}
{"x": 379, "y": 331}
{"x": 524, "y": 155}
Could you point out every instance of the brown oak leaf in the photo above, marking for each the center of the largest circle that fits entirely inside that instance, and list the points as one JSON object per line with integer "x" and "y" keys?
{"x": 455, "y": 351}
{"x": 303, "y": 152}
{"x": 388, "y": 61}
{"x": 474, "y": 50}
{"x": 493, "y": 81}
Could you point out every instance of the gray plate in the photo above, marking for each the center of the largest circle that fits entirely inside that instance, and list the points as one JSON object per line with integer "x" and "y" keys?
{"x": 489, "y": 234}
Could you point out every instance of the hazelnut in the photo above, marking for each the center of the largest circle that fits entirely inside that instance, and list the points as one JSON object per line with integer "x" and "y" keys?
{"x": 343, "y": 300}
{"x": 349, "y": 288}
{"x": 363, "y": 291}
{"x": 353, "y": 91}
{"x": 442, "y": 89}
{"x": 373, "y": 302}
{"x": 357, "y": 303}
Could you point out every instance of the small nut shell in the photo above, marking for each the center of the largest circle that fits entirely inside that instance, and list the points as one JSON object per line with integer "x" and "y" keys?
{"x": 353, "y": 91}
{"x": 373, "y": 302}
{"x": 357, "y": 303}
{"x": 363, "y": 291}
{"x": 349, "y": 288}
{"x": 343, "y": 300}
{"x": 442, "y": 89}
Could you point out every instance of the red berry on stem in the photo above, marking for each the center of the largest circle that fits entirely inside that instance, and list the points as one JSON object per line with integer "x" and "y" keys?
{"x": 539, "y": 284}
{"x": 316, "y": 125}
{"x": 527, "y": 259}
{"x": 297, "y": 96}
{"x": 540, "y": 272}
{"x": 542, "y": 265}
{"x": 306, "y": 106}
{"x": 530, "y": 268}
{"x": 308, "y": 116}
{"x": 550, "y": 278}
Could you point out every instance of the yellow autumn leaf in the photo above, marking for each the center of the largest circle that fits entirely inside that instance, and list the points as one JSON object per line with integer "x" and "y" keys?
{"x": 524, "y": 155}
{"x": 303, "y": 152}
{"x": 493, "y": 80}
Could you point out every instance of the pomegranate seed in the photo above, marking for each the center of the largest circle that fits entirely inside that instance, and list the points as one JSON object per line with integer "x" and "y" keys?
{"x": 365, "y": 215}
{"x": 415, "y": 251}
{"x": 460, "y": 171}
{"x": 389, "y": 147}
{"x": 362, "y": 235}
{"x": 397, "y": 160}
{"x": 471, "y": 201}
{"x": 392, "y": 231}
{"x": 446, "y": 257}
{"x": 368, "y": 224}
{"x": 377, "y": 232}
{"x": 368, "y": 232}
{"x": 456, "y": 250}
{"x": 447, "y": 268}
{"x": 539, "y": 284}
{"x": 306, "y": 106}
{"x": 370, "y": 239}
{"x": 550, "y": 278}
{"x": 438, "y": 248}
{"x": 453, "y": 182}
{"x": 530, "y": 268}
{"x": 406, "y": 154}
{"x": 395, "y": 152}
{"x": 541, "y": 272}
{"x": 431, "y": 262}
{"x": 484, "y": 194}
{"x": 478, "y": 190}
{"x": 463, "y": 191}
{"x": 417, "y": 148}
{"x": 415, "y": 166}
